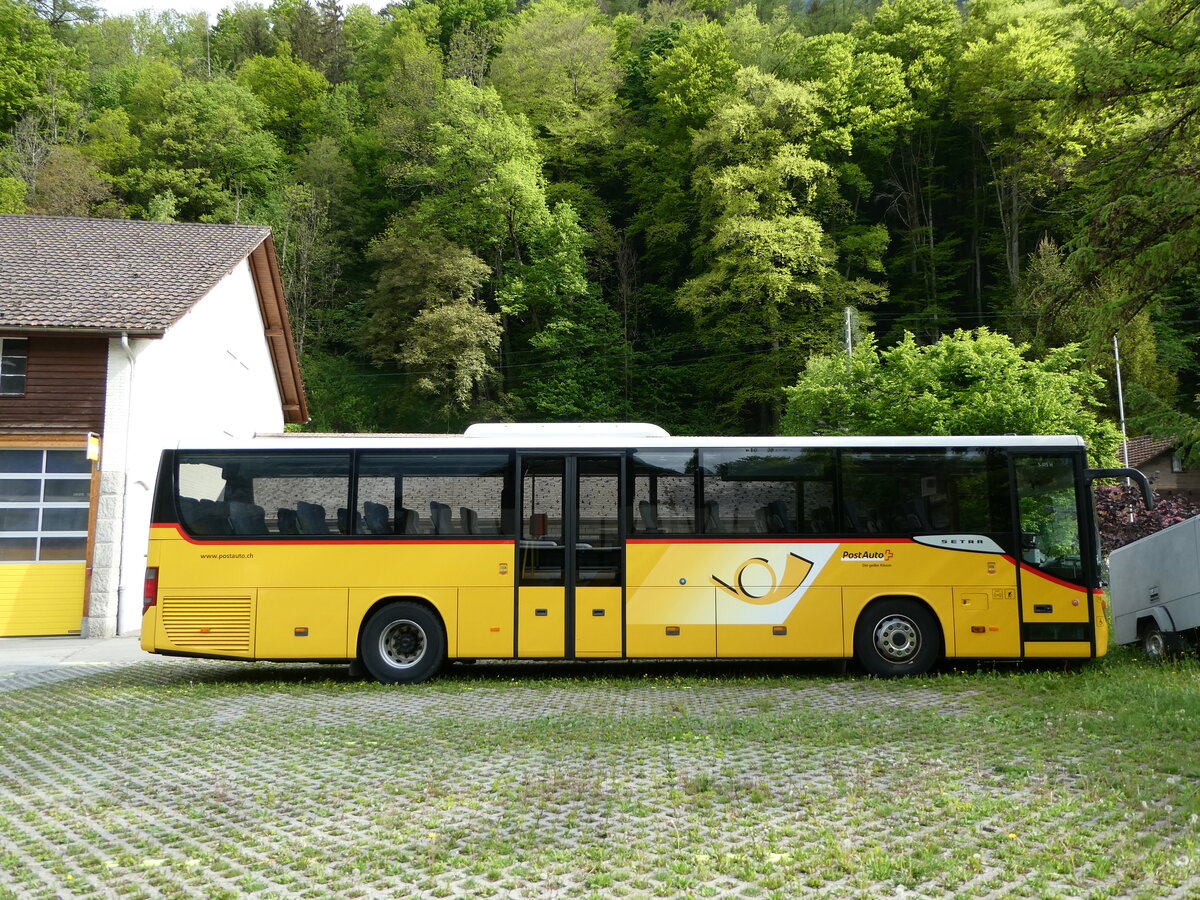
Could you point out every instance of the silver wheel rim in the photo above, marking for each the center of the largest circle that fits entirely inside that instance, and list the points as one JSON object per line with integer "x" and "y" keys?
{"x": 402, "y": 643}
{"x": 897, "y": 639}
{"x": 1155, "y": 645}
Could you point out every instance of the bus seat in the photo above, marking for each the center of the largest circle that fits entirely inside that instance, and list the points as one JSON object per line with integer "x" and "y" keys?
{"x": 407, "y": 521}
{"x": 848, "y": 516}
{"x": 312, "y": 518}
{"x": 247, "y": 518}
{"x": 649, "y": 514}
{"x": 440, "y": 514}
{"x": 206, "y": 516}
{"x": 712, "y": 517}
{"x": 469, "y": 519}
{"x": 289, "y": 522}
{"x": 760, "y": 520}
{"x": 375, "y": 517}
{"x": 821, "y": 521}
{"x": 345, "y": 526}
{"x": 778, "y": 519}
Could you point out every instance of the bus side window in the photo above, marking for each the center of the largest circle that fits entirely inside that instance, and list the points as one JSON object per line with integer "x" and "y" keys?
{"x": 464, "y": 493}
{"x": 663, "y": 495}
{"x": 228, "y": 493}
{"x": 764, "y": 490}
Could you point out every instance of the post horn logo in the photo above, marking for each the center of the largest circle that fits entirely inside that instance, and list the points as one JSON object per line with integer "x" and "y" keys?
{"x": 794, "y": 572}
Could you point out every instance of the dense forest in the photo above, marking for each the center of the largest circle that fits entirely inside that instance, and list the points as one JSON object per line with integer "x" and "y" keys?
{"x": 558, "y": 210}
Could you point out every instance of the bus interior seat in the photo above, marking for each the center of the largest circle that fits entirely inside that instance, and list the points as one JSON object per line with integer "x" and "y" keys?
{"x": 469, "y": 519}
{"x": 778, "y": 519}
{"x": 760, "y": 520}
{"x": 649, "y": 513}
{"x": 375, "y": 518}
{"x": 821, "y": 521}
{"x": 205, "y": 516}
{"x": 712, "y": 517}
{"x": 848, "y": 516}
{"x": 344, "y": 523}
{"x": 408, "y": 521}
{"x": 289, "y": 522}
{"x": 247, "y": 518}
{"x": 312, "y": 518}
{"x": 189, "y": 510}
{"x": 440, "y": 514}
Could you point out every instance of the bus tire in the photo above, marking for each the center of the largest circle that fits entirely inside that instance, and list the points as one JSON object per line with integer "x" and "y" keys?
{"x": 403, "y": 643}
{"x": 896, "y": 637}
{"x": 1159, "y": 645}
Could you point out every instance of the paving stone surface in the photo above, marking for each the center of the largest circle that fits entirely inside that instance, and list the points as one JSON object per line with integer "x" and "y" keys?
{"x": 189, "y": 778}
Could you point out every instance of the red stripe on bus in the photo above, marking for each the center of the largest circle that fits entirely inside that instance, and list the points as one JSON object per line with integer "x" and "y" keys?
{"x": 768, "y": 540}
{"x": 1032, "y": 570}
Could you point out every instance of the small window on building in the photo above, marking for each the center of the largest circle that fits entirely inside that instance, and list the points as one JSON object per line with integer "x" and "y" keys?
{"x": 13, "y": 354}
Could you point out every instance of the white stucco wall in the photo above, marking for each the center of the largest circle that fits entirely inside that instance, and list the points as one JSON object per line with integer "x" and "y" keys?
{"x": 209, "y": 376}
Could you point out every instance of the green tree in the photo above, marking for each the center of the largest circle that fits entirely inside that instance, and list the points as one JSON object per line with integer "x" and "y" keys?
{"x": 33, "y": 64}
{"x": 556, "y": 66}
{"x": 425, "y": 315}
{"x": 1134, "y": 87}
{"x": 293, "y": 95}
{"x": 209, "y": 149}
{"x": 12, "y": 195}
{"x": 970, "y": 382}
{"x": 771, "y": 280}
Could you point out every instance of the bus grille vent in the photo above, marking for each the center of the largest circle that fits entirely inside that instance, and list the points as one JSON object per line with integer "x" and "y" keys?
{"x": 207, "y": 624}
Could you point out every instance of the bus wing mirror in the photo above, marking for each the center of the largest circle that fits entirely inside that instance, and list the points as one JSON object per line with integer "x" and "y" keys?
{"x": 1136, "y": 475}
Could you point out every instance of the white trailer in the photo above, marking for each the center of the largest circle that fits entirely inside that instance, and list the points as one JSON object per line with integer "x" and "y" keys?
{"x": 1154, "y": 589}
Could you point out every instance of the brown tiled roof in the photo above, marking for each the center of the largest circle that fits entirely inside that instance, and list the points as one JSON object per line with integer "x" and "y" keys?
{"x": 112, "y": 274}
{"x": 1142, "y": 450}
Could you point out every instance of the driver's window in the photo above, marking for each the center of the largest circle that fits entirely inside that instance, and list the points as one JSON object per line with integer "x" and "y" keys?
{"x": 1049, "y": 516}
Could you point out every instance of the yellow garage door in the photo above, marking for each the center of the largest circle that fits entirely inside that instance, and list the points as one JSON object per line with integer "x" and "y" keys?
{"x": 41, "y": 598}
{"x": 45, "y": 501}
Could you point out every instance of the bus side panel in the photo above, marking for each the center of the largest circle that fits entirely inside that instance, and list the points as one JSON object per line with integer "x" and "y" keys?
{"x": 671, "y": 622}
{"x": 813, "y": 629}
{"x": 301, "y": 623}
{"x": 485, "y": 623}
{"x": 986, "y": 623}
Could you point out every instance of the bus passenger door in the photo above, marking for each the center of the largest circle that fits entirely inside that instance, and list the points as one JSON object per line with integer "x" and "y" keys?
{"x": 571, "y": 557}
{"x": 599, "y": 556}
{"x": 1057, "y": 600}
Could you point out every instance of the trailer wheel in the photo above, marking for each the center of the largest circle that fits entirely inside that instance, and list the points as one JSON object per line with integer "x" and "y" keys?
{"x": 1157, "y": 644}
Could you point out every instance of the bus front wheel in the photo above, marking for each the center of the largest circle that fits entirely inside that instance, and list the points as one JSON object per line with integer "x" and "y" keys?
{"x": 403, "y": 643}
{"x": 896, "y": 637}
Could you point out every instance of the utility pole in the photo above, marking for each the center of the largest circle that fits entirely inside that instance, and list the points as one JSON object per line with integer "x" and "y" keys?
{"x": 1121, "y": 413}
{"x": 849, "y": 339}
{"x": 1121, "y": 404}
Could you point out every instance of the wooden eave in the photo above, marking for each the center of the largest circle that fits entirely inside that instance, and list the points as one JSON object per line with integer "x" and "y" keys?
{"x": 264, "y": 267}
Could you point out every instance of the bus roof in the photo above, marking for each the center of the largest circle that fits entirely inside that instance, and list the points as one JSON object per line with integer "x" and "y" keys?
{"x": 565, "y": 438}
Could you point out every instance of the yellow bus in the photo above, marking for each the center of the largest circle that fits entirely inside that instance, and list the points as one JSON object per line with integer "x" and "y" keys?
{"x": 622, "y": 542}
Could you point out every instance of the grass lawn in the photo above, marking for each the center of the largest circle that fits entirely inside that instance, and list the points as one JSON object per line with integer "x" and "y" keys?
{"x": 176, "y": 778}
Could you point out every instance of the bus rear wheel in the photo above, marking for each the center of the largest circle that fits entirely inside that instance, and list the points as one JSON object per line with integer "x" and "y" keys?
{"x": 403, "y": 643}
{"x": 896, "y": 637}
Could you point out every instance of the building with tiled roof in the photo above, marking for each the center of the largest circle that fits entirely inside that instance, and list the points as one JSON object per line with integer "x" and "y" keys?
{"x": 1162, "y": 463}
{"x": 1137, "y": 451}
{"x": 117, "y": 339}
